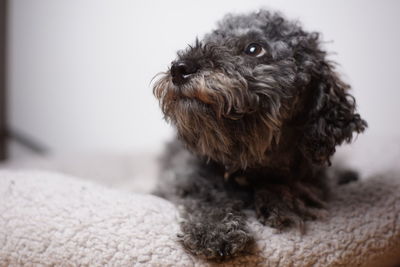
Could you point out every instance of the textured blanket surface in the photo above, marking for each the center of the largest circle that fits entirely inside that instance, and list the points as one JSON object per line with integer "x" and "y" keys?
{"x": 54, "y": 219}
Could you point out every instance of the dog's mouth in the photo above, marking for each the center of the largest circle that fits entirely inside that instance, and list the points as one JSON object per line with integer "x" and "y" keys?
{"x": 192, "y": 103}
{"x": 228, "y": 97}
{"x": 202, "y": 91}
{"x": 196, "y": 89}
{"x": 192, "y": 93}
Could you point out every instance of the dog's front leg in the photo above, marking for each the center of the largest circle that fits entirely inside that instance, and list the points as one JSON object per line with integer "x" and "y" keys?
{"x": 213, "y": 225}
{"x": 284, "y": 205}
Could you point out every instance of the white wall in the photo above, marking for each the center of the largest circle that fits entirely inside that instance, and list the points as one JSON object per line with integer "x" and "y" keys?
{"x": 80, "y": 70}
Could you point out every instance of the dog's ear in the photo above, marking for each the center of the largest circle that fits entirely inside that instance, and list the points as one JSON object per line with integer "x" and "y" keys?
{"x": 331, "y": 117}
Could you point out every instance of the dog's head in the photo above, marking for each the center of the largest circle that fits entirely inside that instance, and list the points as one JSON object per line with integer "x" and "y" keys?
{"x": 235, "y": 94}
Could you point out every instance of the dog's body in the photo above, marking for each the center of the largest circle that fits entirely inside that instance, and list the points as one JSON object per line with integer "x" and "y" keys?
{"x": 261, "y": 110}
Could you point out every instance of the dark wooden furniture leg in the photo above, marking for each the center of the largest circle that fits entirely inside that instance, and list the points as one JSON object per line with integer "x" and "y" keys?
{"x": 3, "y": 18}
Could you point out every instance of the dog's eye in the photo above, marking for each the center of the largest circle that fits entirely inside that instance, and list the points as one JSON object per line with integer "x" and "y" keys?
{"x": 255, "y": 50}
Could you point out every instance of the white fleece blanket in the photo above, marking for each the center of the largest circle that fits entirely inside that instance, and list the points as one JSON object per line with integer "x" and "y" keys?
{"x": 53, "y": 219}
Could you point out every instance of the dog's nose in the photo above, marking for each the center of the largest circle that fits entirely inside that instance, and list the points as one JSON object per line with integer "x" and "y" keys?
{"x": 182, "y": 70}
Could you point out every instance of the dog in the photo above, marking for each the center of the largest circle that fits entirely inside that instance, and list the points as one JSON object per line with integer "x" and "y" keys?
{"x": 258, "y": 110}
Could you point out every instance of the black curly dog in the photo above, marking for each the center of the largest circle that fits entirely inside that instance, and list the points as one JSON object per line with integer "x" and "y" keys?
{"x": 258, "y": 111}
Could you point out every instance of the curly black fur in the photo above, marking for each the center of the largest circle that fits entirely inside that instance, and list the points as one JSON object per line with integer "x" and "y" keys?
{"x": 257, "y": 102}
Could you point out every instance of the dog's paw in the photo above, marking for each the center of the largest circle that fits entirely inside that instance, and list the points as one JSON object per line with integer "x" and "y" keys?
{"x": 281, "y": 206}
{"x": 215, "y": 240}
